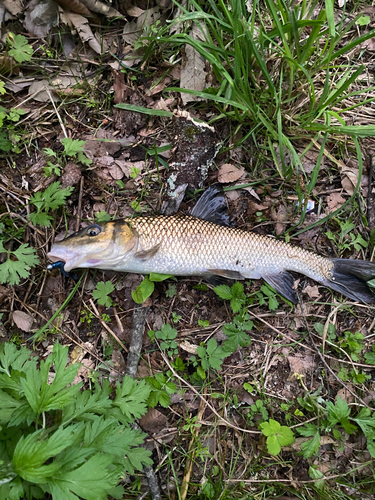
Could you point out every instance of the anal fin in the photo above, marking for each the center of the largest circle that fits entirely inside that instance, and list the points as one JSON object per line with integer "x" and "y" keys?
{"x": 283, "y": 283}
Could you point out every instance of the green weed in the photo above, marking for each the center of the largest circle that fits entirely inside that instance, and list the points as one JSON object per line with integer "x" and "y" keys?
{"x": 59, "y": 439}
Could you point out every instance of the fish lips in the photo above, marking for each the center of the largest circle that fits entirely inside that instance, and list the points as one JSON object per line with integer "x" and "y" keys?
{"x": 69, "y": 257}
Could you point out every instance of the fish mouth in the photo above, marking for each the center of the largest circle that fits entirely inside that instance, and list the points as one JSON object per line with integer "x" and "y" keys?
{"x": 71, "y": 259}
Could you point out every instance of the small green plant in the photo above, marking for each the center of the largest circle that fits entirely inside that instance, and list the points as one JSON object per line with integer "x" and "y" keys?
{"x": 8, "y": 135}
{"x": 277, "y": 435}
{"x": 167, "y": 336}
{"x": 235, "y": 294}
{"x": 60, "y": 440}
{"x": 255, "y": 409}
{"x": 102, "y": 291}
{"x": 204, "y": 323}
{"x": 50, "y": 199}
{"x": 19, "y": 48}
{"x": 334, "y": 416}
{"x": 102, "y": 216}
{"x": 73, "y": 149}
{"x": 134, "y": 172}
{"x": 172, "y": 290}
{"x": 145, "y": 289}
{"x": 17, "y": 264}
{"x": 353, "y": 344}
{"x": 86, "y": 316}
{"x": 346, "y": 239}
{"x": 211, "y": 356}
{"x": 161, "y": 387}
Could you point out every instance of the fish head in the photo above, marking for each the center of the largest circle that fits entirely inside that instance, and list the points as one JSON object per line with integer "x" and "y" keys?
{"x": 100, "y": 246}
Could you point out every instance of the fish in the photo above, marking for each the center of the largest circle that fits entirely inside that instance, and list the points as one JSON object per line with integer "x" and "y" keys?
{"x": 203, "y": 243}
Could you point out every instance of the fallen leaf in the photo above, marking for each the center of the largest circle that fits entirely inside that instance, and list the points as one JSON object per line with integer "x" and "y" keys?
{"x": 153, "y": 421}
{"x": 300, "y": 365}
{"x": 81, "y": 24}
{"x": 229, "y": 173}
{"x": 193, "y": 73}
{"x": 186, "y": 346}
{"x": 23, "y": 320}
{"x": 312, "y": 291}
{"x": 334, "y": 201}
{"x": 349, "y": 179}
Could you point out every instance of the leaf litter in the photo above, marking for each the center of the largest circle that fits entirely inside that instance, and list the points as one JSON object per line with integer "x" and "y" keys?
{"x": 125, "y": 173}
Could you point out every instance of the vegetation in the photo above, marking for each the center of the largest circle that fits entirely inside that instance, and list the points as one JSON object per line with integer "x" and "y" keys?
{"x": 251, "y": 396}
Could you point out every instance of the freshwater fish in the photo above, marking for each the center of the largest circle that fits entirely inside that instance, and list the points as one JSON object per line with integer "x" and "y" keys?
{"x": 203, "y": 244}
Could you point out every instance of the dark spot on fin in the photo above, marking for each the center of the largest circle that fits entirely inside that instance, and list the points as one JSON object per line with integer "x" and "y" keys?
{"x": 144, "y": 255}
{"x": 283, "y": 283}
{"x": 212, "y": 206}
{"x": 350, "y": 277}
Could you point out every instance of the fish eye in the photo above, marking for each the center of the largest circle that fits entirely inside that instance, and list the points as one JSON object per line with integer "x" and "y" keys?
{"x": 93, "y": 230}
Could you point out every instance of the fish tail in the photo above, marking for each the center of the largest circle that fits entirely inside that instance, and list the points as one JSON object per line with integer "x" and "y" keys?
{"x": 351, "y": 277}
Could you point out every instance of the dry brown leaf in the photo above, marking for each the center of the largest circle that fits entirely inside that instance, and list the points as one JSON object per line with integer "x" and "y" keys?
{"x": 193, "y": 73}
{"x": 229, "y": 173}
{"x": 312, "y": 291}
{"x": 15, "y": 7}
{"x": 349, "y": 179}
{"x": 40, "y": 17}
{"x": 75, "y": 6}
{"x": 153, "y": 421}
{"x": 334, "y": 201}
{"x": 188, "y": 347}
{"x": 81, "y": 24}
{"x": 23, "y": 320}
{"x": 300, "y": 365}
{"x": 101, "y": 8}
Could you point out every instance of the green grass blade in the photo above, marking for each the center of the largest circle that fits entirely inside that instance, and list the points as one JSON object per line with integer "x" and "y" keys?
{"x": 330, "y": 17}
{"x": 145, "y": 111}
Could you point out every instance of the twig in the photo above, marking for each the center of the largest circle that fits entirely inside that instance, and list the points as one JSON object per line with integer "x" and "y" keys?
{"x": 190, "y": 460}
{"x": 223, "y": 421}
{"x": 104, "y": 325}
{"x": 369, "y": 189}
{"x": 135, "y": 348}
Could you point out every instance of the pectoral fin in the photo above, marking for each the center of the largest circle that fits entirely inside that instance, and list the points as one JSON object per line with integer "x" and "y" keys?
{"x": 144, "y": 255}
{"x": 283, "y": 283}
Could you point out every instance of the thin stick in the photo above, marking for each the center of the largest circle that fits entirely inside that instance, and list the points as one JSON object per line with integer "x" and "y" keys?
{"x": 369, "y": 189}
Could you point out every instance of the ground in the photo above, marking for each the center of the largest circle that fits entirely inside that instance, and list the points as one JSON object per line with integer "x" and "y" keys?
{"x": 308, "y": 367}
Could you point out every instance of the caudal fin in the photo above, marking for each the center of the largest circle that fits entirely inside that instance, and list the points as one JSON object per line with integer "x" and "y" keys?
{"x": 350, "y": 278}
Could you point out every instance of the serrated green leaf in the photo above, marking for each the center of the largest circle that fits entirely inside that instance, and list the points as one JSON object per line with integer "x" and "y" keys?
{"x": 277, "y": 435}
{"x": 33, "y": 451}
{"x": 11, "y": 271}
{"x": 21, "y": 50}
{"x": 72, "y": 146}
{"x": 131, "y": 397}
{"x": 338, "y": 411}
{"x": 311, "y": 447}
{"x": 223, "y": 291}
{"x": 101, "y": 292}
{"x": 91, "y": 481}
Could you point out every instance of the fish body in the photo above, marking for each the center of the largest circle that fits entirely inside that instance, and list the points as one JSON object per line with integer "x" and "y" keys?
{"x": 188, "y": 245}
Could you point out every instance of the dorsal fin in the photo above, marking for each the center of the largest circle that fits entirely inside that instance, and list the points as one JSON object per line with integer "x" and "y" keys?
{"x": 212, "y": 206}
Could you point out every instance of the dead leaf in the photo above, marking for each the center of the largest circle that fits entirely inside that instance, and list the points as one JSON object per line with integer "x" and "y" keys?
{"x": 40, "y": 17}
{"x": 81, "y": 24}
{"x": 75, "y": 6}
{"x": 334, "y": 201}
{"x": 188, "y": 347}
{"x": 229, "y": 173}
{"x": 23, "y": 320}
{"x": 349, "y": 179}
{"x": 15, "y": 7}
{"x": 300, "y": 365}
{"x": 133, "y": 30}
{"x": 38, "y": 91}
{"x": 193, "y": 73}
{"x": 153, "y": 421}
{"x": 312, "y": 291}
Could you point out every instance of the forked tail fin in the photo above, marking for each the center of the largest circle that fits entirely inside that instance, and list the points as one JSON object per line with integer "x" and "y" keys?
{"x": 350, "y": 278}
